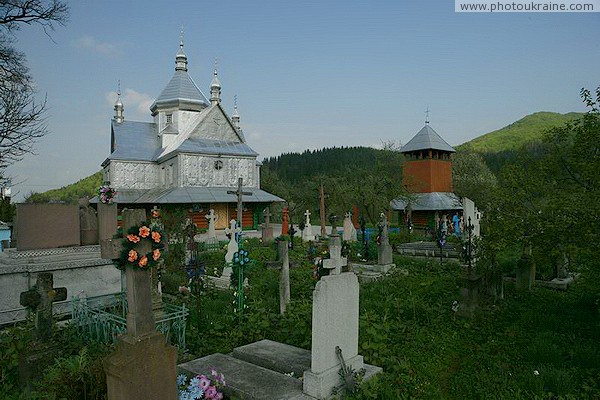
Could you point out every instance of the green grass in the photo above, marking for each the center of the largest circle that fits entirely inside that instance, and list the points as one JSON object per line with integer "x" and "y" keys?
{"x": 542, "y": 344}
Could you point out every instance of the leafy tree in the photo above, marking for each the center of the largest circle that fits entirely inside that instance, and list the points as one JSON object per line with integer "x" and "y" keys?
{"x": 22, "y": 120}
{"x": 552, "y": 194}
{"x": 472, "y": 178}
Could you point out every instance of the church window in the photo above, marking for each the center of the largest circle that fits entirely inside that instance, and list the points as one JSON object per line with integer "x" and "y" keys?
{"x": 169, "y": 119}
{"x": 218, "y": 165}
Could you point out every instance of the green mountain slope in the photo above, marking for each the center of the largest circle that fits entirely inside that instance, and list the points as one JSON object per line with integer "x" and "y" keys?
{"x": 85, "y": 187}
{"x": 512, "y": 137}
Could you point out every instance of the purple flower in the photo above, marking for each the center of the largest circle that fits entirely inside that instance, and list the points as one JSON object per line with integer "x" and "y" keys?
{"x": 211, "y": 392}
{"x": 204, "y": 382}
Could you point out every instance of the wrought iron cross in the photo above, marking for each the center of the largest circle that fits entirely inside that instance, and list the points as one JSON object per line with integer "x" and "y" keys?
{"x": 239, "y": 193}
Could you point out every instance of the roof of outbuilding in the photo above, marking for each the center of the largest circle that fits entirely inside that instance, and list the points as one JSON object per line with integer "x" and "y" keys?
{"x": 189, "y": 195}
{"x": 429, "y": 202}
{"x": 427, "y": 139}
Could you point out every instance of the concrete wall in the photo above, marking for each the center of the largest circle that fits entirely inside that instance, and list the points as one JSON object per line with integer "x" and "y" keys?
{"x": 78, "y": 269}
{"x": 45, "y": 226}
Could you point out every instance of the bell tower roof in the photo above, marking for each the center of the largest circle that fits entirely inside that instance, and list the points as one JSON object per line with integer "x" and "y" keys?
{"x": 427, "y": 139}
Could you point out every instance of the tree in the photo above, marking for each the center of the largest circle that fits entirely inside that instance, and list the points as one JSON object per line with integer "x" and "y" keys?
{"x": 472, "y": 178}
{"x": 22, "y": 119}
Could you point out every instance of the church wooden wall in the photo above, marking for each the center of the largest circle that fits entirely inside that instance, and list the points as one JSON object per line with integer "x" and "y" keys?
{"x": 426, "y": 176}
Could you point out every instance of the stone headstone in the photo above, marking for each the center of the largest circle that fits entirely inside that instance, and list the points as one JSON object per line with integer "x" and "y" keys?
{"x": 39, "y": 300}
{"x": 284, "y": 278}
{"x": 334, "y": 324}
{"x": 384, "y": 250}
{"x": 285, "y": 221}
{"x": 212, "y": 219}
{"x": 88, "y": 223}
{"x": 142, "y": 366}
{"x": 232, "y": 246}
{"x": 349, "y": 230}
{"x": 335, "y": 262}
{"x": 267, "y": 229}
{"x": 307, "y": 233}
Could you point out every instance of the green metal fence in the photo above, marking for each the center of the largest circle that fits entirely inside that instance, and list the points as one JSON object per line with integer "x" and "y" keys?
{"x": 103, "y": 318}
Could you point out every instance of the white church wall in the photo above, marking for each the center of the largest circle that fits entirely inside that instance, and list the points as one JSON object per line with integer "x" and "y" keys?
{"x": 202, "y": 171}
{"x": 134, "y": 175}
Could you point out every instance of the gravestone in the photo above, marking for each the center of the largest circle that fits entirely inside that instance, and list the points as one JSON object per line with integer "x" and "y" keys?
{"x": 88, "y": 223}
{"x": 212, "y": 219}
{"x": 41, "y": 352}
{"x": 307, "y": 233}
{"x": 334, "y": 326}
{"x": 285, "y": 221}
{"x": 232, "y": 246}
{"x": 349, "y": 230}
{"x": 142, "y": 366}
{"x": 107, "y": 229}
{"x": 322, "y": 211}
{"x": 39, "y": 300}
{"x": 335, "y": 262}
{"x": 384, "y": 250}
{"x": 267, "y": 229}
{"x": 284, "y": 278}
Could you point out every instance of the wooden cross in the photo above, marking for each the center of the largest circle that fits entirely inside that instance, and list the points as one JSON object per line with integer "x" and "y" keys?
{"x": 239, "y": 193}
{"x": 323, "y": 231}
{"x": 40, "y": 299}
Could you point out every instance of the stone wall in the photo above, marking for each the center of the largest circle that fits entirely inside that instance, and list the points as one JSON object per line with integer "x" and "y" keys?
{"x": 45, "y": 226}
{"x": 76, "y": 268}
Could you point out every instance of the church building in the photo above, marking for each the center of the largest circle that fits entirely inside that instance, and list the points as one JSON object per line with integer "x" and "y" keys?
{"x": 427, "y": 176}
{"x": 192, "y": 154}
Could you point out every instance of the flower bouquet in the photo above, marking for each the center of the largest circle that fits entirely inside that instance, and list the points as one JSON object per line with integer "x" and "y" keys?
{"x": 201, "y": 386}
{"x": 106, "y": 194}
{"x": 131, "y": 256}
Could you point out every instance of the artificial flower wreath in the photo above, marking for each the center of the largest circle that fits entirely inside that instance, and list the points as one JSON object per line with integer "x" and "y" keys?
{"x": 130, "y": 255}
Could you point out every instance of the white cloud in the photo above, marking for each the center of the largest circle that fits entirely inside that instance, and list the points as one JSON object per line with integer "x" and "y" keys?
{"x": 89, "y": 42}
{"x": 138, "y": 104}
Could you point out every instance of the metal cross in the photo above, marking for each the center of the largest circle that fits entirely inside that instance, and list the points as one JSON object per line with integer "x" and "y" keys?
{"x": 239, "y": 193}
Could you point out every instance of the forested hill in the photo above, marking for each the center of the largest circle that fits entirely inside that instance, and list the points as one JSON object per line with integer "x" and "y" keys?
{"x": 295, "y": 167}
{"x": 514, "y": 136}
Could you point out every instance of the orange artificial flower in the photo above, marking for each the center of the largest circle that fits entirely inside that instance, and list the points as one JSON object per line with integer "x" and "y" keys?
{"x": 155, "y": 254}
{"x": 156, "y": 237}
{"x": 144, "y": 231}
{"x": 133, "y": 255}
{"x": 133, "y": 238}
{"x": 143, "y": 261}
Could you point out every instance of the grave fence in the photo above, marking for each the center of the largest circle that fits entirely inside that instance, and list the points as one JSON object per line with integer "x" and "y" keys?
{"x": 103, "y": 318}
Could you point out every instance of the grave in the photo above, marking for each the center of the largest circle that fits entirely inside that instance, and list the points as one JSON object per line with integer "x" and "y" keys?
{"x": 212, "y": 219}
{"x": 284, "y": 278}
{"x": 267, "y": 229}
{"x": 268, "y": 370}
{"x": 41, "y": 352}
{"x": 142, "y": 366}
{"x": 307, "y": 233}
{"x": 349, "y": 230}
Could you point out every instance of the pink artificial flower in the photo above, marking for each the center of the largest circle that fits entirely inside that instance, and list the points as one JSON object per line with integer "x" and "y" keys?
{"x": 219, "y": 396}
{"x": 210, "y": 392}
{"x": 204, "y": 382}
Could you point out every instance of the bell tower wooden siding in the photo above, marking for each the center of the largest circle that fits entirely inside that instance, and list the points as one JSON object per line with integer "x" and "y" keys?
{"x": 428, "y": 171}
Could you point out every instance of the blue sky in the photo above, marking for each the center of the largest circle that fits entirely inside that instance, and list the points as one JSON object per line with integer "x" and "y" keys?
{"x": 308, "y": 74}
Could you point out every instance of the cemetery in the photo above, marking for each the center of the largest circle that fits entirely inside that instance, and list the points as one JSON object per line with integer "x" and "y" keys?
{"x": 193, "y": 270}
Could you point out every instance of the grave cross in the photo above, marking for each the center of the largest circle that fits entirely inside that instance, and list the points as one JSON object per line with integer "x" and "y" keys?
{"x": 239, "y": 193}
{"x": 307, "y": 215}
{"x": 40, "y": 300}
{"x": 335, "y": 262}
{"x": 267, "y": 215}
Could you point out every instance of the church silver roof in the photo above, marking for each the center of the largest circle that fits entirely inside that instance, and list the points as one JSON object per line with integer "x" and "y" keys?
{"x": 139, "y": 141}
{"x": 181, "y": 88}
{"x": 429, "y": 202}
{"x": 190, "y": 195}
{"x": 134, "y": 141}
{"x": 209, "y": 146}
{"x": 427, "y": 139}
